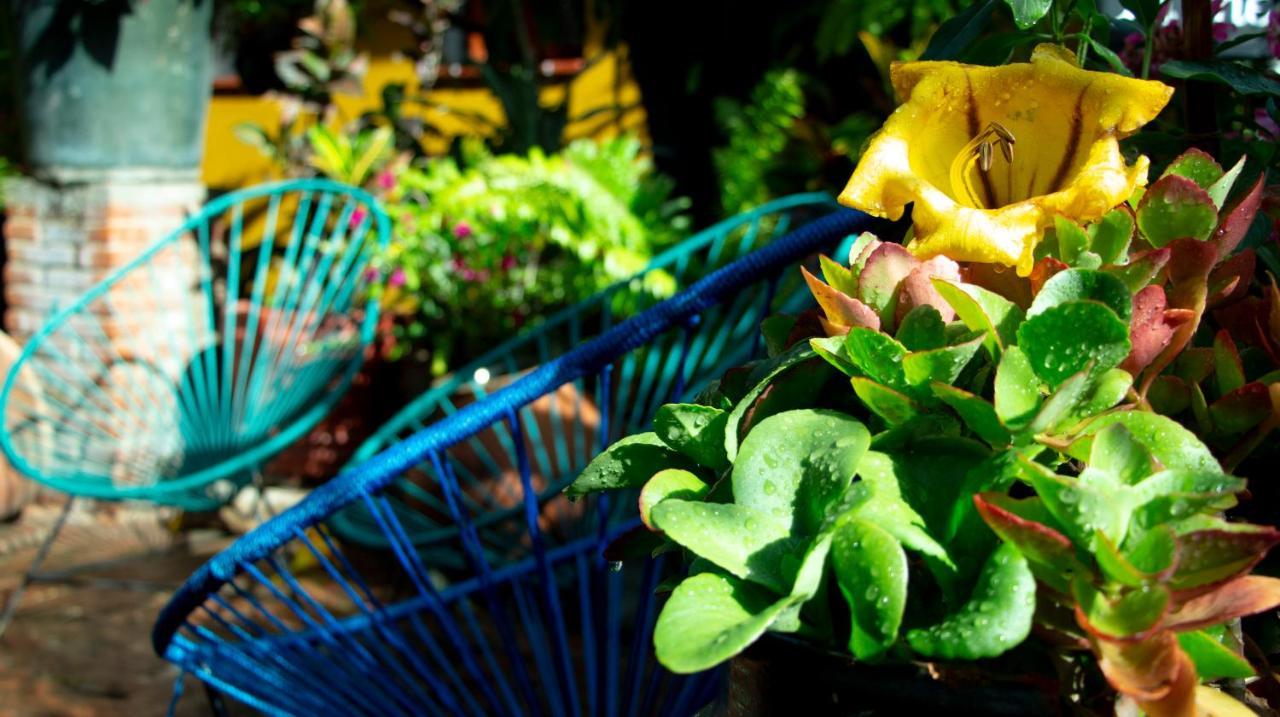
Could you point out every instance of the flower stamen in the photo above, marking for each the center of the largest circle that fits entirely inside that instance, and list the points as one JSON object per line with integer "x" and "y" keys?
{"x": 979, "y": 150}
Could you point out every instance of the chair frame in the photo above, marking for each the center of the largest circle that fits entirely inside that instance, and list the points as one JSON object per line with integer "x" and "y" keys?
{"x": 169, "y": 491}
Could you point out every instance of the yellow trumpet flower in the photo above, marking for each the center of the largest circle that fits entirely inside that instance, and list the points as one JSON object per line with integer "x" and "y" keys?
{"x": 989, "y": 155}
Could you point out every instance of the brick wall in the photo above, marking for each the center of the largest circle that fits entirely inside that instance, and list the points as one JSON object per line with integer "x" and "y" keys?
{"x": 61, "y": 240}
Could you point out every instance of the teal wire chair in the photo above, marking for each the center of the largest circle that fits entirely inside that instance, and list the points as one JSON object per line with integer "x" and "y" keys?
{"x": 566, "y": 426}
{"x": 173, "y": 379}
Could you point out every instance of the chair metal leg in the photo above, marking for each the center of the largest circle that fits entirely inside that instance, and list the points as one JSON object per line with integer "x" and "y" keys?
{"x": 11, "y": 606}
{"x": 217, "y": 705}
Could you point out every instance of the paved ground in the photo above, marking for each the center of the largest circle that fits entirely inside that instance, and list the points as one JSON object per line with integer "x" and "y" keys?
{"x": 83, "y": 650}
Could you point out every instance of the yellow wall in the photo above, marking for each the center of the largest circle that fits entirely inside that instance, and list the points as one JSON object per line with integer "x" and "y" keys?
{"x": 229, "y": 163}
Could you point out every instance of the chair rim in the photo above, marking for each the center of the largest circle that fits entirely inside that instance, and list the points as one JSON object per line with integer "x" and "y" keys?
{"x": 169, "y": 490}
{"x": 382, "y": 469}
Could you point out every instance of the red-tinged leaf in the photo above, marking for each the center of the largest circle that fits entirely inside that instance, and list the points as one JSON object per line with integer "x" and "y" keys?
{"x": 1248, "y": 595}
{"x": 1211, "y": 557}
{"x": 1236, "y": 219}
{"x": 842, "y": 311}
{"x": 1148, "y": 331}
{"x": 1226, "y": 363}
{"x": 1044, "y": 271}
{"x": 917, "y": 289}
{"x": 1242, "y": 409}
{"x": 1151, "y": 671}
{"x": 1230, "y": 280}
{"x": 1189, "y": 267}
{"x": 1273, "y": 312}
{"x": 1036, "y": 541}
{"x": 1246, "y": 321}
{"x": 859, "y": 252}
{"x": 881, "y": 276}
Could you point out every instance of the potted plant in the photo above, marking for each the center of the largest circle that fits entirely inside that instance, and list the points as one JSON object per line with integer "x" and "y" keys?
{"x": 110, "y": 86}
{"x": 991, "y": 474}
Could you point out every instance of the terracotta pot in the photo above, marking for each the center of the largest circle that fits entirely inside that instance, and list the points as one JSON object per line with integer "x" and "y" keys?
{"x": 488, "y": 458}
{"x": 784, "y": 675}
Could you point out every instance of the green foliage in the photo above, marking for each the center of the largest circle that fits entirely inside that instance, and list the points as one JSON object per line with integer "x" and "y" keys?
{"x": 757, "y": 134}
{"x": 509, "y": 238}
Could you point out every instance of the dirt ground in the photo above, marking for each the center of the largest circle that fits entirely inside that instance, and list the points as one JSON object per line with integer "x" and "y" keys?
{"x": 83, "y": 649}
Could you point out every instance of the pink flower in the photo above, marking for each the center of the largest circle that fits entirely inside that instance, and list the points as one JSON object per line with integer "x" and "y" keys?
{"x": 1269, "y": 130}
{"x": 372, "y": 274}
{"x": 508, "y": 262}
{"x": 1273, "y": 32}
{"x": 386, "y": 179}
{"x": 462, "y": 230}
{"x": 396, "y": 278}
{"x": 357, "y": 216}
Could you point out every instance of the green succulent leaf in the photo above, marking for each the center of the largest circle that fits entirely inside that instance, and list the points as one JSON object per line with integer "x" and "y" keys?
{"x": 877, "y": 355}
{"x": 894, "y": 407}
{"x": 996, "y": 618}
{"x": 922, "y": 329}
{"x": 832, "y": 350}
{"x": 696, "y": 431}
{"x": 976, "y": 412}
{"x": 709, "y": 618}
{"x": 841, "y": 278}
{"x": 877, "y": 498}
{"x": 1073, "y": 241}
{"x": 670, "y": 483}
{"x": 776, "y": 330}
{"x": 1111, "y": 236}
{"x": 1065, "y": 339}
{"x": 629, "y": 463}
{"x": 1135, "y": 611}
{"x": 1196, "y": 165}
{"x": 1170, "y": 443}
{"x": 741, "y": 540}
{"x": 983, "y": 311}
{"x": 794, "y": 465}
{"x": 761, "y": 379}
{"x": 871, "y": 570}
{"x": 943, "y": 365}
{"x": 1083, "y": 509}
{"x": 1083, "y": 284}
{"x": 1213, "y": 659}
{"x": 1221, "y": 189}
{"x": 1017, "y": 389}
{"x": 1142, "y": 561}
{"x": 1028, "y": 12}
{"x": 1176, "y": 208}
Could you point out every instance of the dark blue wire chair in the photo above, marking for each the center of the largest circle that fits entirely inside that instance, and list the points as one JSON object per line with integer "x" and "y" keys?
{"x": 292, "y": 620}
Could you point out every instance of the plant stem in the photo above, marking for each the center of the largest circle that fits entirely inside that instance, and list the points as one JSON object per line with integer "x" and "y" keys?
{"x": 1147, "y": 45}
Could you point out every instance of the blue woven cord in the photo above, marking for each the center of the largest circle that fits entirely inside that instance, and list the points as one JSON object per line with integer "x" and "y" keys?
{"x": 380, "y": 470}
